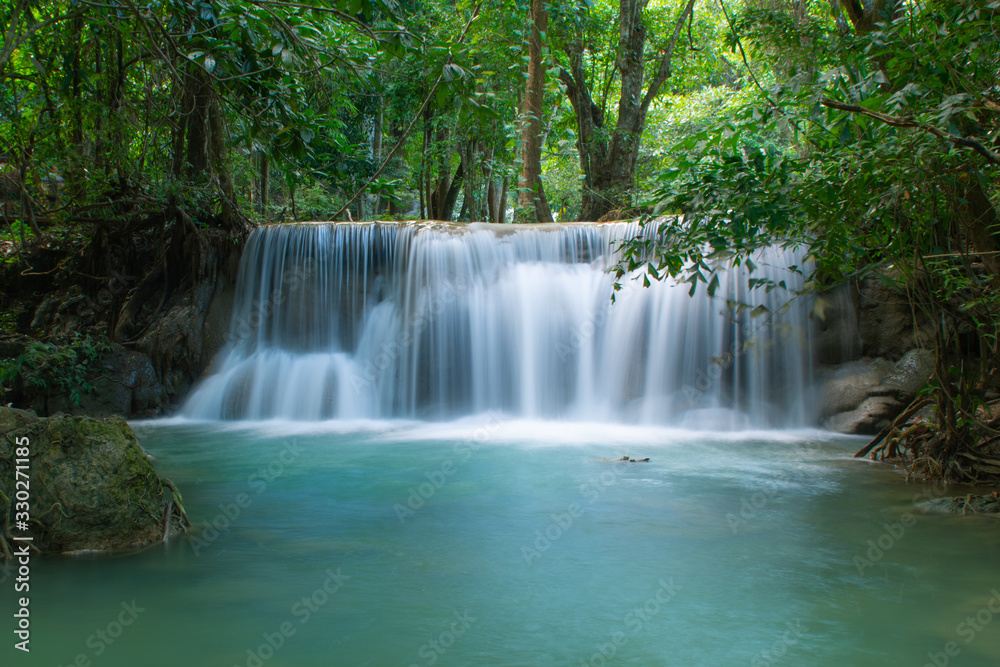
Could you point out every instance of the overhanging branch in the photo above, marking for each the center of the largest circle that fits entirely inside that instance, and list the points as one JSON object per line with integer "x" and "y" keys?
{"x": 896, "y": 121}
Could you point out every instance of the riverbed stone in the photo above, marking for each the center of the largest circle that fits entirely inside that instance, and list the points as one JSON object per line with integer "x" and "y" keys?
{"x": 909, "y": 376}
{"x": 123, "y": 383}
{"x": 874, "y": 414}
{"x": 91, "y": 485}
{"x": 970, "y": 504}
{"x": 845, "y": 387}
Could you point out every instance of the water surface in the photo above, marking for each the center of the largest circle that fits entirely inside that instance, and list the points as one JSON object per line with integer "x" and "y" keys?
{"x": 495, "y": 542}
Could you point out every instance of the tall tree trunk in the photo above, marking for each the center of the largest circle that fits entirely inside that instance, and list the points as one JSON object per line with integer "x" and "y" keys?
{"x": 492, "y": 196}
{"x": 264, "y": 183}
{"x": 447, "y": 210}
{"x": 219, "y": 158}
{"x": 377, "y": 128}
{"x": 502, "y": 207}
{"x": 531, "y": 193}
{"x": 196, "y": 120}
{"x": 609, "y": 165}
{"x": 864, "y": 15}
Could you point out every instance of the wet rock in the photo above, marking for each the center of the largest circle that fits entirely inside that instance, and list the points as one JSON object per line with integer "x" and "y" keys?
{"x": 869, "y": 418}
{"x": 182, "y": 343}
{"x": 45, "y": 312}
{"x": 847, "y": 386}
{"x": 886, "y": 321}
{"x": 835, "y": 335}
{"x": 124, "y": 383}
{"x": 909, "y": 376}
{"x": 12, "y": 418}
{"x": 92, "y": 486}
{"x": 864, "y": 396}
{"x": 970, "y": 504}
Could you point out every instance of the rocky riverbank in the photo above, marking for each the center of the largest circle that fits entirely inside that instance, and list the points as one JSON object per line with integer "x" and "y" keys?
{"x": 86, "y": 483}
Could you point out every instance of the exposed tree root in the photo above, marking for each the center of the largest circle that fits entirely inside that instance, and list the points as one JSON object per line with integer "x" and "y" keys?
{"x": 174, "y": 510}
{"x": 913, "y": 408}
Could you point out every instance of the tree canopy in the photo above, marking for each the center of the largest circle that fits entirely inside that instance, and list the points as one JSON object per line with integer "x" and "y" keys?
{"x": 865, "y": 131}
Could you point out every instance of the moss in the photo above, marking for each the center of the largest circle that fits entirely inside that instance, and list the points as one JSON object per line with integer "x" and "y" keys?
{"x": 92, "y": 486}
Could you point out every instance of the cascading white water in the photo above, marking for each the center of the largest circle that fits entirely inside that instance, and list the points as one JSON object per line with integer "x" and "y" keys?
{"x": 374, "y": 320}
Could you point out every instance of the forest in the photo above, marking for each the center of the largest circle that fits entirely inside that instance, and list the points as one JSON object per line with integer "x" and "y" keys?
{"x": 140, "y": 141}
{"x": 499, "y": 332}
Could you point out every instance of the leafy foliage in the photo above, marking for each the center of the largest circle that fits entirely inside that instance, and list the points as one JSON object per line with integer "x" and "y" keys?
{"x": 53, "y": 368}
{"x": 873, "y": 150}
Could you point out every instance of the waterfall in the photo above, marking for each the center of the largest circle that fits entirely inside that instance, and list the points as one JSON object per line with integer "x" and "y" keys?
{"x": 432, "y": 321}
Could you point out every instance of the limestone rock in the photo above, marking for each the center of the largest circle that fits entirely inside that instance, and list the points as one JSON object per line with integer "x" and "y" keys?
{"x": 848, "y": 385}
{"x": 971, "y": 504}
{"x": 12, "y": 418}
{"x": 835, "y": 335}
{"x": 885, "y": 321}
{"x": 126, "y": 384}
{"x": 909, "y": 376}
{"x": 869, "y": 418}
{"x": 92, "y": 486}
{"x": 864, "y": 396}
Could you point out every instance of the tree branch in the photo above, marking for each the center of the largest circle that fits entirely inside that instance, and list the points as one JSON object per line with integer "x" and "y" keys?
{"x": 413, "y": 121}
{"x": 895, "y": 121}
{"x": 12, "y": 41}
{"x": 663, "y": 73}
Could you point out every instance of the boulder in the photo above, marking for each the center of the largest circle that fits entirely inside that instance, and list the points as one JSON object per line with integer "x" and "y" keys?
{"x": 886, "y": 321}
{"x": 124, "y": 383}
{"x": 92, "y": 486}
{"x": 908, "y": 377}
{"x": 970, "y": 504}
{"x": 835, "y": 335}
{"x": 846, "y": 386}
{"x": 870, "y": 417}
{"x": 862, "y": 397}
{"x": 11, "y": 418}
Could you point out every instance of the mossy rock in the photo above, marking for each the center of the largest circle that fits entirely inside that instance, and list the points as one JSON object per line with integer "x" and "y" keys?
{"x": 92, "y": 485}
{"x": 970, "y": 504}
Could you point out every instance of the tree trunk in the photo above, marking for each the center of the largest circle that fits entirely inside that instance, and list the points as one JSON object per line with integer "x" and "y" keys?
{"x": 196, "y": 121}
{"x": 377, "y": 124}
{"x": 531, "y": 193}
{"x": 864, "y": 19}
{"x": 219, "y": 158}
{"x": 264, "y": 184}
{"x": 502, "y": 208}
{"x": 447, "y": 210}
{"x": 981, "y": 224}
{"x": 608, "y": 166}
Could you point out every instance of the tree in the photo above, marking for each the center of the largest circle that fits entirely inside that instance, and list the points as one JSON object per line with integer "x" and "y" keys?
{"x": 608, "y": 154}
{"x": 877, "y": 153}
{"x": 531, "y": 193}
